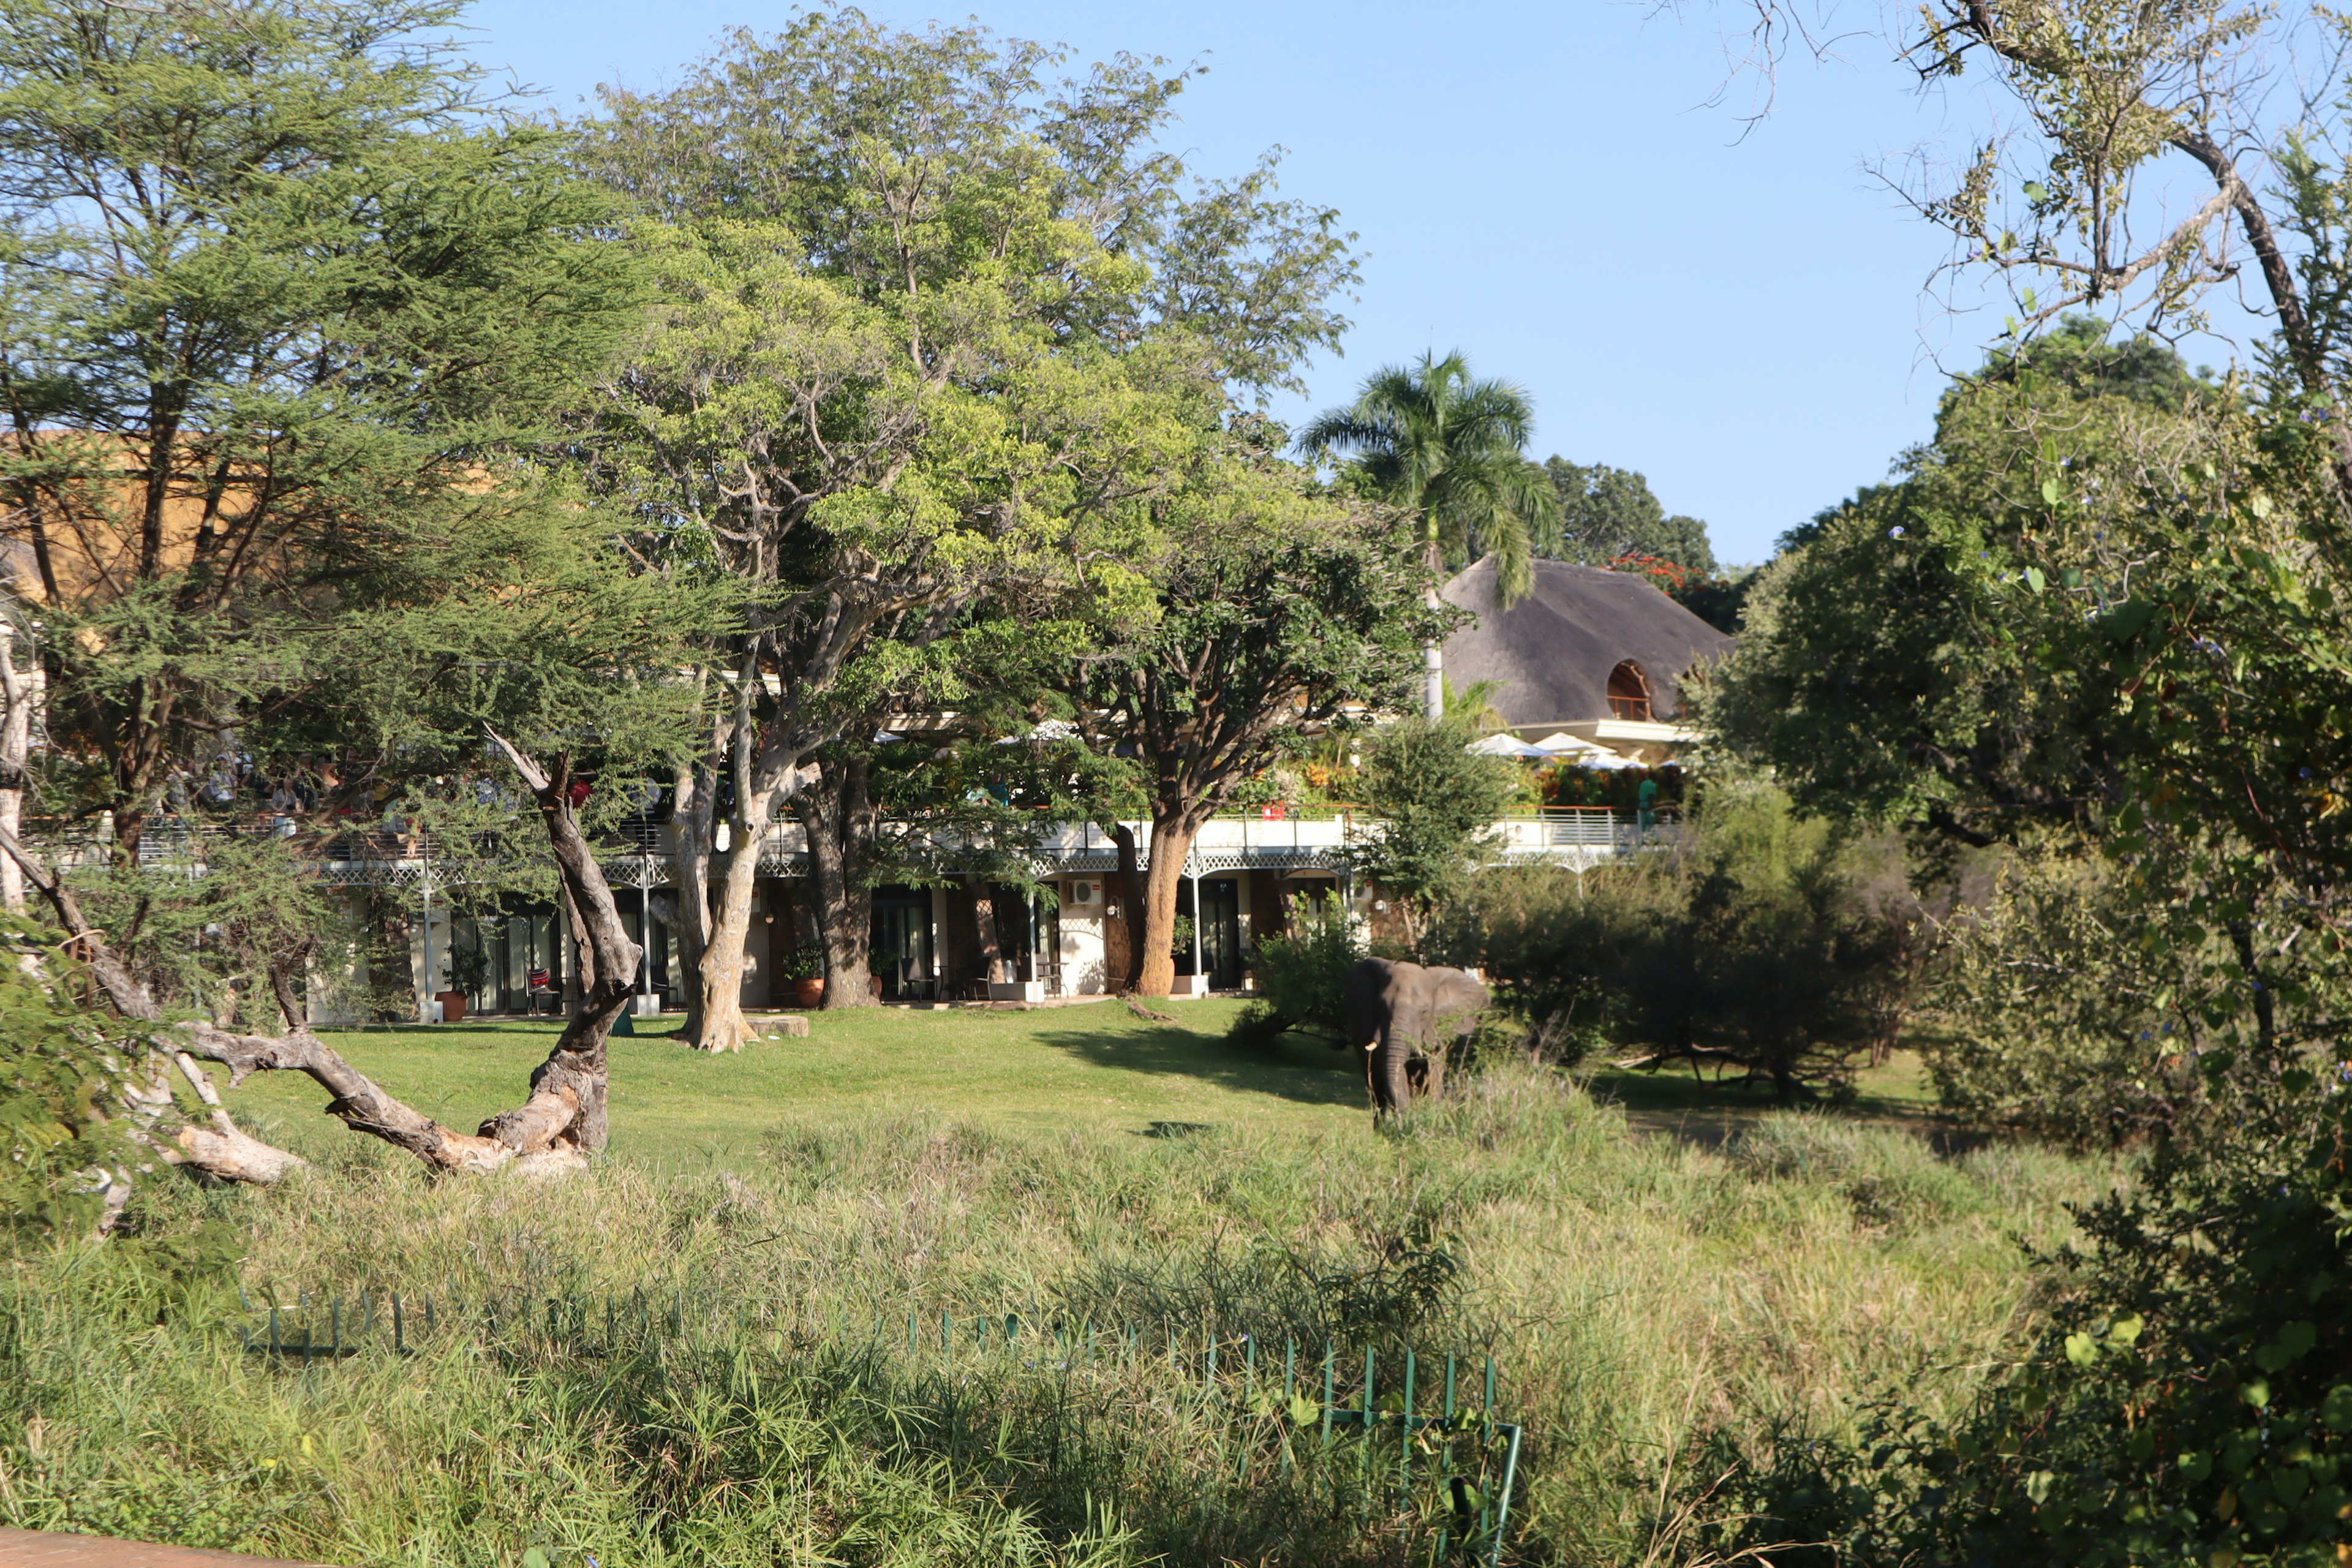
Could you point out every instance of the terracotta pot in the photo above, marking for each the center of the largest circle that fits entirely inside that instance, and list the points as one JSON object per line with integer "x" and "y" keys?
{"x": 808, "y": 992}
{"x": 453, "y": 1006}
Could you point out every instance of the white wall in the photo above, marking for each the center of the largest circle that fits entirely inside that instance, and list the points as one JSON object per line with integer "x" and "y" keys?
{"x": 1081, "y": 936}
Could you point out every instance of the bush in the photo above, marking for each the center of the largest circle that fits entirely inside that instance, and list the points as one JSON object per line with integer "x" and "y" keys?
{"x": 1749, "y": 943}
{"x": 61, "y": 1082}
{"x": 2078, "y": 1009}
{"x": 1302, "y": 975}
{"x": 2190, "y": 1400}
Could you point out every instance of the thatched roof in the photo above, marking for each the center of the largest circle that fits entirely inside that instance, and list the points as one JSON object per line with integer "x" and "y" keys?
{"x": 1550, "y": 653}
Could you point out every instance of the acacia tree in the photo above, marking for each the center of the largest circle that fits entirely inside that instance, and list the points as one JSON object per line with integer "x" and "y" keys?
{"x": 936, "y": 327}
{"x": 285, "y": 306}
{"x": 273, "y": 291}
{"x": 1274, "y": 614}
{"x": 1449, "y": 450}
{"x": 534, "y": 629}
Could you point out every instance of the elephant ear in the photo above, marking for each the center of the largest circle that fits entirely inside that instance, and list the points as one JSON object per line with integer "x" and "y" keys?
{"x": 1458, "y": 996}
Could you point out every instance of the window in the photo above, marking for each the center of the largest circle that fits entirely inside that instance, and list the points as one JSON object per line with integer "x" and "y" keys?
{"x": 1629, "y": 692}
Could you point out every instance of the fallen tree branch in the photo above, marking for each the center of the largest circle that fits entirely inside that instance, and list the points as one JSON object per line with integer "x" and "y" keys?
{"x": 560, "y": 1125}
{"x": 221, "y": 1150}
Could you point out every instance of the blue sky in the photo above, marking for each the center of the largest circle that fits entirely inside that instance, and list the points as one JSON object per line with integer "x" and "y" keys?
{"x": 1546, "y": 188}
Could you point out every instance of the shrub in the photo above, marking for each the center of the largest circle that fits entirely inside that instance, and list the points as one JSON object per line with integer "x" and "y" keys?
{"x": 2189, "y": 1400}
{"x": 61, "y": 1083}
{"x": 1748, "y": 944}
{"x": 1302, "y": 975}
{"x": 2077, "y": 1009}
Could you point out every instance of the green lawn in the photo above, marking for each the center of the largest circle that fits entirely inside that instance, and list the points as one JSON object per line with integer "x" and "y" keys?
{"x": 1095, "y": 1067}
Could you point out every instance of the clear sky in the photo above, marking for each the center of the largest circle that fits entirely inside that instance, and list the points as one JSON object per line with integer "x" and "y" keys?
{"x": 1544, "y": 186}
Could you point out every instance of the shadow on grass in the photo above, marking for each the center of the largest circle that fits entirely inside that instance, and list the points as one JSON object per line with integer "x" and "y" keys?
{"x": 1289, "y": 1068}
{"x": 1710, "y": 1112}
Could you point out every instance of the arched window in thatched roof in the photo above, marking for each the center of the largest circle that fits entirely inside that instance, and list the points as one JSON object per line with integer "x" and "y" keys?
{"x": 1629, "y": 692}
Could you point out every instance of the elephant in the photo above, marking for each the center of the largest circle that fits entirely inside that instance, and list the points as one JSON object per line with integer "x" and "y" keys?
{"x": 1403, "y": 1017}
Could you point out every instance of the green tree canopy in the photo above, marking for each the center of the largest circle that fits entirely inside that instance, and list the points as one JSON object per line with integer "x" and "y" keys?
{"x": 1887, "y": 671}
{"x": 1608, "y": 513}
{"x": 937, "y": 329}
{"x": 1274, "y": 614}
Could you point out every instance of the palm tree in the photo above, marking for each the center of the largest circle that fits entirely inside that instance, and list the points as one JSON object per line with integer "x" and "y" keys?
{"x": 1450, "y": 450}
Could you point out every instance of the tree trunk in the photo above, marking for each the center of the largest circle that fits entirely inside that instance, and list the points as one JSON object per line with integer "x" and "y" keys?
{"x": 1434, "y": 661}
{"x": 1130, "y": 909}
{"x": 724, "y": 1026}
{"x": 691, "y": 830}
{"x": 838, "y": 816}
{"x": 1172, "y": 841}
{"x": 763, "y": 771}
{"x": 19, "y": 692}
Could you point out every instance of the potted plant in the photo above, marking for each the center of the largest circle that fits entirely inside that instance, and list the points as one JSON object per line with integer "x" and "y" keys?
{"x": 804, "y": 968}
{"x": 469, "y": 972}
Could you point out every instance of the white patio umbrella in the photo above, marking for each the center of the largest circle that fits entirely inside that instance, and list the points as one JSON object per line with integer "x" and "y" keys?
{"x": 1581, "y": 754}
{"x": 1506, "y": 746}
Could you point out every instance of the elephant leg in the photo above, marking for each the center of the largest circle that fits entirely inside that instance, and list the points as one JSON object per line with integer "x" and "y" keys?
{"x": 1416, "y": 1075}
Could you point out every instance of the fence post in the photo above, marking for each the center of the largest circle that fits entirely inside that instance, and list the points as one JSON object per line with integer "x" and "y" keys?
{"x": 1503, "y": 1510}
{"x": 1330, "y": 1353}
{"x": 1404, "y": 1443}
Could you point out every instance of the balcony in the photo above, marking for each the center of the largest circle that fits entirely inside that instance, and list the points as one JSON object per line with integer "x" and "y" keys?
{"x": 636, "y": 854}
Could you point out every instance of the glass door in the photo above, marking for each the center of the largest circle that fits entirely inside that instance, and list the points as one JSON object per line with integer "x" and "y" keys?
{"x": 1221, "y": 932}
{"x": 901, "y": 942}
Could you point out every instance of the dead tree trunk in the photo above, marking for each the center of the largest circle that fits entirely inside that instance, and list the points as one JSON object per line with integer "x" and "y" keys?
{"x": 559, "y": 1126}
{"x": 19, "y": 696}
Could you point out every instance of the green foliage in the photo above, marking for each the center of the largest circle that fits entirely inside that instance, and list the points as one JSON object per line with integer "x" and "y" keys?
{"x": 204, "y": 934}
{"x": 1608, "y": 514}
{"x": 1898, "y": 659}
{"x": 288, "y": 304}
{"x": 1436, "y": 802}
{"x": 1448, "y": 451}
{"x": 1749, "y": 942}
{"x": 2189, "y": 1400}
{"x": 1302, "y": 973}
{"x": 61, "y": 1082}
{"x": 1275, "y": 612}
{"x": 2075, "y": 1009}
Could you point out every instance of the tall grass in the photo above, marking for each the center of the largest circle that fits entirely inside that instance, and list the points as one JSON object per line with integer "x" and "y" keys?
{"x": 1636, "y": 1292}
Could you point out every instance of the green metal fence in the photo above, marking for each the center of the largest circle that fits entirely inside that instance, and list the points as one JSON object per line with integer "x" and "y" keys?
{"x": 1416, "y": 1439}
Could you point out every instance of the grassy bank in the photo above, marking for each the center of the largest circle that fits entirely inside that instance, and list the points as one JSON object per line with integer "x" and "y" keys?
{"x": 1634, "y": 1289}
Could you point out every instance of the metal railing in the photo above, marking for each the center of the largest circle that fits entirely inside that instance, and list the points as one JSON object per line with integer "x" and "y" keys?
{"x": 1312, "y": 837}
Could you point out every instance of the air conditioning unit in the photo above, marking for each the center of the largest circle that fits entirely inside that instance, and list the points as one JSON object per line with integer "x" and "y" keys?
{"x": 1082, "y": 892}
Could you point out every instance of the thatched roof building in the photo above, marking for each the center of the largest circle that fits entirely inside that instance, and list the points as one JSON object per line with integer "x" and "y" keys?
{"x": 1601, "y": 655}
